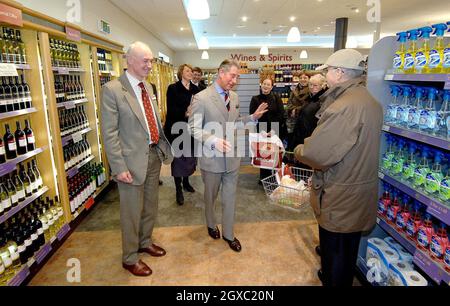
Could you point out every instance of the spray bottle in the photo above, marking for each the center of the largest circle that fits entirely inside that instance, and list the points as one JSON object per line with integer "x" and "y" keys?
{"x": 422, "y": 55}
{"x": 422, "y": 169}
{"x": 404, "y": 214}
{"x": 410, "y": 54}
{"x": 414, "y": 222}
{"x": 393, "y": 209}
{"x": 428, "y": 116}
{"x": 399, "y": 159}
{"x": 444, "y": 189}
{"x": 436, "y": 54}
{"x": 447, "y": 259}
{"x": 439, "y": 243}
{"x": 403, "y": 108}
{"x": 385, "y": 201}
{"x": 410, "y": 165}
{"x": 388, "y": 155}
{"x": 391, "y": 113}
{"x": 426, "y": 231}
{"x": 435, "y": 176}
{"x": 443, "y": 117}
{"x": 399, "y": 57}
{"x": 446, "y": 64}
{"x": 414, "y": 111}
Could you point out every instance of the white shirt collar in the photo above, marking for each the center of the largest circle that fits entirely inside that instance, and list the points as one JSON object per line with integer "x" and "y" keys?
{"x": 133, "y": 81}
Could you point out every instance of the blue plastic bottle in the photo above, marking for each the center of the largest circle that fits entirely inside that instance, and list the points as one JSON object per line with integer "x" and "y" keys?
{"x": 428, "y": 116}
{"x": 410, "y": 164}
{"x": 410, "y": 54}
{"x": 391, "y": 112}
{"x": 443, "y": 117}
{"x": 422, "y": 55}
{"x": 403, "y": 108}
{"x": 420, "y": 174}
{"x": 435, "y": 176}
{"x": 399, "y": 57}
{"x": 416, "y": 108}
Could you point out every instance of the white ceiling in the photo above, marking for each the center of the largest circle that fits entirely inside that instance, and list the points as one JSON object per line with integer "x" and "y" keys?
{"x": 164, "y": 18}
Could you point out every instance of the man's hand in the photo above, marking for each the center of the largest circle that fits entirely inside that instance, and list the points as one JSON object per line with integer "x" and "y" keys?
{"x": 260, "y": 111}
{"x": 223, "y": 146}
{"x": 125, "y": 177}
{"x": 189, "y": 111}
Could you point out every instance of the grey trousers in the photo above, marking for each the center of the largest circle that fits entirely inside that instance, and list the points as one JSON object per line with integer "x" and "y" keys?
{"x": 138, "y": 211}
{"x": 228, "y": 181}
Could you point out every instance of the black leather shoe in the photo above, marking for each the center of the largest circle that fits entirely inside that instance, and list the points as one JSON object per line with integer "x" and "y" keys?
{"x": 214, "y": 233}
{"x": 317, "y": 249}
{"x": 180, "y": 197}
{"x": 320, "y": 275}
{"x": 235, "y": 245}
{"x": 160, "y": 182}
{"x": 188, "y": 188}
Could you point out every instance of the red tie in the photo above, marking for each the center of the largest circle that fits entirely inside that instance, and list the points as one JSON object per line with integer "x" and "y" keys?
{"x": 227, "y": 101}
{"x": 154, "y": 133}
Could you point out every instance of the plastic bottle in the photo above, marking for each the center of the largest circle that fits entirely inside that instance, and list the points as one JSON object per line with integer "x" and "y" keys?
{"x": 388, "y": 155}
{"x": 404, "y": 214}
{"x": 393, "y": 209}
{"x": 435, "y": 176}
{"x": 426, "y": 231}
{"x": 446, "y": 64}
{"x": 447, "y": 259}
{"x": 436, "y": 54}
{"x": 414, "y": 222}
{"x": 410, "y": 164}
{"x": 416, "y": 108}
{"x": 444, "y": 189}
{"x": 420, "y": 174}
{"x": 399, "y": 159}
{"x": 404, "y": 106}
{"x": 399, "y": 57}
{"x": 385, "y": 201}
{"x": 410, "y": 54}
{"x": 391, "y": 113}
{"x": 439, "y": 243}
{"x": 428, "y": 116}
{"x": 422, "y": 55}
{"x": 443, "y": 117}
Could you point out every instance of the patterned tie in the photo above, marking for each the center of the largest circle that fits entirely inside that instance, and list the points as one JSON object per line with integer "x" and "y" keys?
{"x": 154, "y": 133}
{"x": 227, "y": 101}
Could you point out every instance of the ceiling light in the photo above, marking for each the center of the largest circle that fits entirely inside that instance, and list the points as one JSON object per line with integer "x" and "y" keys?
{"x": 319, "y": 0}
{"x": 198, "y": 9}
{"x": 240, "y": 26}
{"x": 244, "y": 19}
{"x": 205, "y": 55}
{"x": 294, "y": 35}
{"x": 234, "y": 35}
{"x": 318, "y": 28}
{"x": 292, "y": 18}
{"x": 264, "y": 50}
{"x": 181, "y": 29}
{"x": 355, "y": 9}
{"x": 204, "y": 43}
{"x": 304, "y": 54}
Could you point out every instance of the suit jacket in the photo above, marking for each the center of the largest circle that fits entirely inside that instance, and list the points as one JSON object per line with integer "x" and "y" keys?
{"x": 125, "y": 134}
{"x": 207, "y": 107}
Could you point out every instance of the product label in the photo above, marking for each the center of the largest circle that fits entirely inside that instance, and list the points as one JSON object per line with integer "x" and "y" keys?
{"x": 420, "y": 176}
{"x": 444, "y": 190}
{"x": 432, "y": 183}
{"x": 6, "y": 260}
{"x": 446, "y": 62}
{"x": 408, "y": 170}
{"x": 34, "y": 237}
{"x": 435, "y": 59}
{"x": 40, "y": 183}
{"x": 381, "y": 208}
{"x": 31, "y": 139}
{"x": 2, "y": 150}
{"x": 29, "y": 190}
{"x": 421, "y": 60}
{"x": 391, "y": 214}
{"x": 422, "y": 239}
{"x": 387, "y": 161}
{"x": 447, "y": 258}
{"x": 12, "y": 146}
{"x": 410, "y": 229}
{"x": 400, "y": 222}
{"x": 40, "y": 231}
{"x": 21, "y": 194}
{"x": 45, "y": 226}
{"x": 398, "y": 62}
{"x": 28, "y": 242}
{"x": 6, "y": 203}
{"x": 402, "y": 114}
{"x": 413, "y": 117}
{"x": 22, "y": 142}
{"x": 14, "y": 199}
{"x": 409, "y": 61}
{"x": 436, "y": 248}
{"x": 21, "y": 248}
{"x": 13, "y": 251}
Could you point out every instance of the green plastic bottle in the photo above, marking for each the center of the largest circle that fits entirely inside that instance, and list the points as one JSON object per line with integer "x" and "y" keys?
{"x": 420, "y": 174}
{"x": 410, "y": 165}
{"x": 399, "y": 159}
{"x": 435, "y": 176}
{"x": 410, "y": 55}
{"x": 444, "y": 189}
{"x": 422, "y": 55}
{"x": 386, "y": 162}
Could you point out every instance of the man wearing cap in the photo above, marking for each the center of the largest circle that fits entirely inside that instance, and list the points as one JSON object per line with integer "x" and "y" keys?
{"x": 343, "y": 151}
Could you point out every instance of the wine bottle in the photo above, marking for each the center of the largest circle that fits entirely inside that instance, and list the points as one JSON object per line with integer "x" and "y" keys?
{"x": 2, "y": 152}
{"x": 5, "y": 201}
{"x": 8, "y": 95}
{"x": 31, "y": 142}
{"x": 12, "y": 193}
{"x": 9, "y": 143}
{"x": 3, "y": 101}
{"x": 21, "y": 140}
{"x": 26, "y": 181}
{"x": 22, "y": 49}
{"x": 39, "y": 180}
{"x": 32, "y": 176}
{"x": 14, "y": 94}
{"x": 26, "y": 92}
{"x": 20, "y": 188}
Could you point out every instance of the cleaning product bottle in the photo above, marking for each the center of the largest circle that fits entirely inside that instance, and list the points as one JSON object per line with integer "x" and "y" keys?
{"x": 404, "y": 106}
{"x": 404, "y": 215}
{"x": 443, "y": 117}
{"x": 439, "y": 243}
{"x": 410, "y": 54}
{"x": 385, "y": 201}
{"x": 422, "y": 55}
{"x": 388, "y": 155}
{"x": 399, "y": 159}
{"x": 391, "y": 112}
{"x": 416, "y": 108}
{"x": 436, "y": 54}
{"x": 393, "y": 209}
{"x": 414, "y": 222}
{"x": 435, "y": 176}
{"x": 410, "y": 165}
{"x": 426, "y": 231}
{"x": 444, "y": 189}
{"x": 420, "y": 174}
{"x": 428, "y": 116}
{"x": 447, "y": 259}
{"x": 399, "y": 57}
{"x": 446, "y": 64}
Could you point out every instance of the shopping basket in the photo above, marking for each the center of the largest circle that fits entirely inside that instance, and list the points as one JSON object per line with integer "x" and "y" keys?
{"x": 292, "y": 193}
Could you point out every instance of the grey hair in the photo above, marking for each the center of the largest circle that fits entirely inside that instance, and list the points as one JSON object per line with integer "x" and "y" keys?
{"x": 352, "y": 73}
{"x": 227, "y": 64}
{"x": 136, "y": 45}
{"x": 319, "y": 77}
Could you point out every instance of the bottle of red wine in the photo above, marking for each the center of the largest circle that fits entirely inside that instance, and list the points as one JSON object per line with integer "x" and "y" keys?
{"x": 2, "y": 152}
{"x": 31, "y": 142}
{"x": 21, "y": 140}
{"x": 10, "y": 143}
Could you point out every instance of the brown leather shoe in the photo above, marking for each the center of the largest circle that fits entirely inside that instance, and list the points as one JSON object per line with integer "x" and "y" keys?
{"x": 214, "y": 233}
{"x": 235, "y": 245}
{"x": 153, "y": 250}
{"x": 138, "y": 269}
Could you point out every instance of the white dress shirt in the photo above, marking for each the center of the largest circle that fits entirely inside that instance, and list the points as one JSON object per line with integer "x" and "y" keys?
{"x": 138, "y": 92}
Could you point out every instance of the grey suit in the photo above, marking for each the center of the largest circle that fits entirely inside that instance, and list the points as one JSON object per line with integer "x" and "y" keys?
{"x": 220, "y": 169}
{"x": 126, "y": 140}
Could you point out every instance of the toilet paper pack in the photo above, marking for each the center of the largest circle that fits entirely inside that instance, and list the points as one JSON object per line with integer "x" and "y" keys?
{"x": 397, "y": 273}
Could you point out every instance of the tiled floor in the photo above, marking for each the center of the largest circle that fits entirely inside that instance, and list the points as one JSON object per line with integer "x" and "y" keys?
{"x": 278, "y": 244}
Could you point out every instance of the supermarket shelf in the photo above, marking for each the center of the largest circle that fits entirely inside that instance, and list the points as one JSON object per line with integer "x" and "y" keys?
{"x": 99, "y": 190}
{"x": 22, "y": 205}
{"x": 71, "y": 104}
{"x": 65, "y": 70}
{"x": 74, "y": 136}
{"x": 23, "y": 66}
{"x": 285, "y": 84}
{"x": 444, "y": 78}
{"x": 434, "y": 207}
{"x": 38, "y": 257}
{"x": 74, "y": 170}
{"x": 78, "y": 212}
{"x": 424, "y": 138}
{"x": 433, "y": 269}
{"x": 11, "y": 165}
{"x": 18, "y": 113}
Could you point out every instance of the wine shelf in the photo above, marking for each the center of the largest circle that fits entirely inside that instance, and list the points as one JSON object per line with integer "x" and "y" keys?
{"x": 74, "y": 170}
{"x": 18, "y": 113}
{"x": 75, "y": 137}
{"x": 11, "y": 164}
{"x": 72, "y": 104}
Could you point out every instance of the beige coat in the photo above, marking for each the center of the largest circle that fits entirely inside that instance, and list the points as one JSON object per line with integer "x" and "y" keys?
{"x": 344, "y": 151}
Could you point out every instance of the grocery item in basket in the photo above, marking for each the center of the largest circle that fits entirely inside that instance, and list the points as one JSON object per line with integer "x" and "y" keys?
{"x": 284, "y": 171}
{"x": 290, "y": 192}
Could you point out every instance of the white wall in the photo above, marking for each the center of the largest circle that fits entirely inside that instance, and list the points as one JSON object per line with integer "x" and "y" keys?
{"x": 124, "y": 29}
{"x": 315, "y": 56}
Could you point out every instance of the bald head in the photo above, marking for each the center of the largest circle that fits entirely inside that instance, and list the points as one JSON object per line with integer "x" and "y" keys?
{"x": 139, "y": 60}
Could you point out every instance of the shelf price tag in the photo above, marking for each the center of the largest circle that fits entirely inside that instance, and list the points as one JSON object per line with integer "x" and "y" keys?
{"x": 69, "y": 105}
{"x": 63, "y": 70}
{"x": 20, "y": 277}
{"x": 8, "y": 70}
{"x": 63, "y": 232}
{"x": 40, "y": 256}
{"x": 77, "y": 137}
{"x": 72, "y": 34}
{"x": 89, "y": 203}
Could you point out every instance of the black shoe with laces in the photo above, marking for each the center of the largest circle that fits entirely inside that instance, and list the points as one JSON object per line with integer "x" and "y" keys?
{"x": 234, "y": 244}
{"x": 180, "y": 197}
{"x": 188, "y": 188}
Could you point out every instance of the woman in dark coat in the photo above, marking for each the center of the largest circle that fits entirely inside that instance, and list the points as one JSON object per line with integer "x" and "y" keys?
{"x": 273, "y": 118}
{"x": 179, "y": 96}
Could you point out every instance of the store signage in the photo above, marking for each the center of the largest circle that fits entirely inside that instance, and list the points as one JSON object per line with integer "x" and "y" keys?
{"x": 73, "y": 34}
{"x": 10, "y": 15}
{"x": 274, "y": 58}
{"x": 8, "y": 70}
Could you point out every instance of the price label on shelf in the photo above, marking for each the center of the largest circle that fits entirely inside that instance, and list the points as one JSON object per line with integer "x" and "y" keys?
{"x": 69, "y": 105}
{"x": 63, "y": 70}
{"x": 63, "y": 232}
{"x": 389, "y": 77}
{"x": 8, "y": 70}
{"x": 77, "y": 137}
{"x": 386, "y": 128}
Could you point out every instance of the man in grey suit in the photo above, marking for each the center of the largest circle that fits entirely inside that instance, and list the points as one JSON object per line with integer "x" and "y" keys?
{"x": 219, "y": 164}
{"x": 135, "y": 146}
